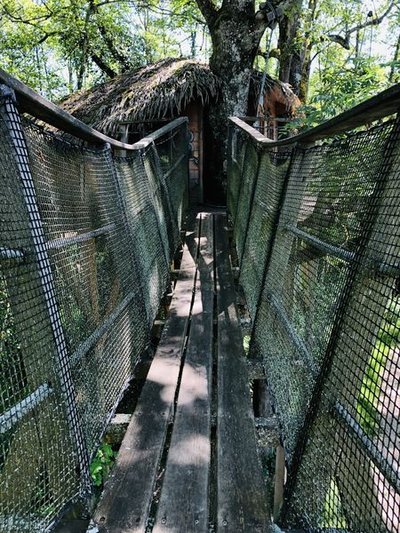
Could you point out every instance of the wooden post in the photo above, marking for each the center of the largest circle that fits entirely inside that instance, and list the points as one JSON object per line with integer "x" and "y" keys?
{"x": 279, "y": 481}
{"x": 124, "y": 133}
{"x": 201, "y": 155}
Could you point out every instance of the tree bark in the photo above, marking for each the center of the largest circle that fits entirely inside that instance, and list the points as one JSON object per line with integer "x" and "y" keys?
{"x": 290, "y": 70}
{"x": 84, "y": 47}
{"x": 103, "y": 65}
{"x": 396, "y": 58}
{"x": 235, "y": 34}
{"x": 306, "y": 58}
{"x": 122, "y": 60}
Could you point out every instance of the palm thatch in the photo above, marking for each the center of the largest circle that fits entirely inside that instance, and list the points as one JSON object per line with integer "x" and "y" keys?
{"x": 156, "y": 91}
{"x": 163, "y": 90}
{"x": 275, "y": 92}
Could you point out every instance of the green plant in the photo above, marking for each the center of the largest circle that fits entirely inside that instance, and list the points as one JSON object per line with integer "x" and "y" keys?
{"x": 13, "y": 382}
{"x": 387, "y": 341}
{"x": 332, "y": 515}
{"x": 101, "y": 464}
{"x": 246, "y": 344}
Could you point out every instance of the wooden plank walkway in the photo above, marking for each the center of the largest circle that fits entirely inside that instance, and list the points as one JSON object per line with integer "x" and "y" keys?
{"x": 188, "y": 461}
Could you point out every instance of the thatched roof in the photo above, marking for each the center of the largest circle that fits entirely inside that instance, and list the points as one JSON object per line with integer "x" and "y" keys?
{"x": 275, "y": 91}
{"x": 156, "y": 91}
{"x": 161, "y": 90}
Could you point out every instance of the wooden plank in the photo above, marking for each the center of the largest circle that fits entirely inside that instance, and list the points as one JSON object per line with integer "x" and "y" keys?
{"x": 126, "y": 500}
{"x": 184, "y": 498}
{"x": 279, "y": 480}
{"x": 241, "y": 494}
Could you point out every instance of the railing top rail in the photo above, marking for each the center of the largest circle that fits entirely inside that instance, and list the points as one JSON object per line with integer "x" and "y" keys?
{"x": 39, "y": 107}
{"x": 265, "y": 118}
{"x": 382, "y": 105}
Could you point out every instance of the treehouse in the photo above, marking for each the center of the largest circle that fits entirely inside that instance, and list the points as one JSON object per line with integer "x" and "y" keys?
{"x": 136, "y": 103}
{"x": 275, "y": 109}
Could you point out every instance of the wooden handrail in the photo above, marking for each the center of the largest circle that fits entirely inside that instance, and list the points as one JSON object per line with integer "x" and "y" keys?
{"x": 380, "y": 106}
{"x": 29, "y": 101}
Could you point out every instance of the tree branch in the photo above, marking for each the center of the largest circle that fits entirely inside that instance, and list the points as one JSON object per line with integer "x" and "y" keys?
{"x": 372, "y": 21}
{"x": 270, "y": 13}
{"x": 343, "y": 41}
{"x": 46, "y": 36}
{"x": 275, "y": 53}
{"x": 118, "y": 56}
{"x": 208, "y": 10}
{"x": 33, "y": 21}
{"x": 102, "y": 65}
{"x": 159, "y": 10}
{"x": 241, "y": 4}
{"x": 395, "y": 61}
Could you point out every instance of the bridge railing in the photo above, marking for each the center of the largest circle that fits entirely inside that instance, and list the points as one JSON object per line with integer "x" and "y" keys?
{"x": 88, "y": 229}
{"x": 317, "y": 228}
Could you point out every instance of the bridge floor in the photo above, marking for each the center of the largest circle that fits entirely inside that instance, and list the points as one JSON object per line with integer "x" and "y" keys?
{"x": 188, "y": 461}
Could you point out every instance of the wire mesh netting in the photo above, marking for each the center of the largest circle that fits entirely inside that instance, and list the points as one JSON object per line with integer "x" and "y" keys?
{"x": 86, "y": 241}
{"x": 28, "y": 374}
{"x": 322, "y": 236}
{"x": 260, "y": 197}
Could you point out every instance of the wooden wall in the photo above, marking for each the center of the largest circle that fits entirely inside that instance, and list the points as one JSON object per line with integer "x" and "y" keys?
{"x": 194, "y": 112}
{"x": 133, "y": 131}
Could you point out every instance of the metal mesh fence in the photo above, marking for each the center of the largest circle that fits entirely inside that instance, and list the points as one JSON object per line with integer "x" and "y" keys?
{"x": 318, "y": 238}
{"x": 86, "y": 241}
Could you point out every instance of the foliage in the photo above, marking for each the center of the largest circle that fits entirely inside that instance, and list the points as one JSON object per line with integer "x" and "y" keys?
{"x": 332, "y": 515}
{"x": 53, "y": 41}
{"x": 59, "y": 46}
{"x": 338, "y": 89}
{"x": 11, "y": 365}
{"x": 246, "y": 343}
{"x": 13, "y": 382}
{"x": 102, "y": 464}
{"x": 388, "y": 340}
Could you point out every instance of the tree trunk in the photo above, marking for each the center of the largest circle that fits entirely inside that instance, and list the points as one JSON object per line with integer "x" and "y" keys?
{"x": 235, "y": 34}
{"x": 236, "y": 31}
{"x": 306, "y": 58}
{"x": 290, "y": 70}
{"x": 396, "y": 58}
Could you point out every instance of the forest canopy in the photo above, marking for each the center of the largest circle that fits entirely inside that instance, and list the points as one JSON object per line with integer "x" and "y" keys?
{"x": 333, "y": 53}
